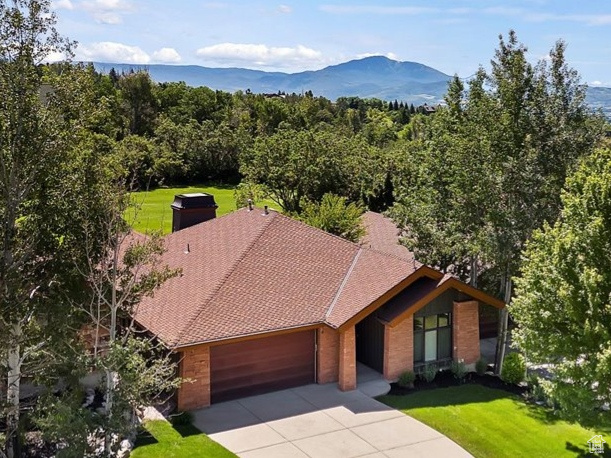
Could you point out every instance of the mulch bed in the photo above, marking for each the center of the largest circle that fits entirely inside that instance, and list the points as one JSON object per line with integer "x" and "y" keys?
{"x": 445, "y": 379}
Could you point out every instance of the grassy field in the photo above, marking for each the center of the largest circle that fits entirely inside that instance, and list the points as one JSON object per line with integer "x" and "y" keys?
{"x": 493, "y": 423}
{"x": 182, "y": 441}
{"x": 153, "y": 210}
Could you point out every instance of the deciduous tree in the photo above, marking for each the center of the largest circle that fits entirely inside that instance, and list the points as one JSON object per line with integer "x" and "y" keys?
{"x": 335, "y": 215}
{"x": 563, "y": 297}
{"x": 486, "y": 171}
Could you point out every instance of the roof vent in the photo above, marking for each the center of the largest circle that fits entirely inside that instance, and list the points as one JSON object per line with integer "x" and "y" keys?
{"x": 191, "y": 209}
{"x": 249, "y": 204}
{"x": 265, "y": 210}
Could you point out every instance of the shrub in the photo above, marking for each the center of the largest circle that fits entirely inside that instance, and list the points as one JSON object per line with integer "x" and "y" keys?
{"x": 406, "y": 379}
{"x": 459, "y": 369}
{"x": 532, "y": 381}
{"x": 481, "y": 366}
{"x": 429, "y": 372}
{"x": 513, "y": 368}
{"x": 537, "y": 394}
{"x": 181, "y": 419}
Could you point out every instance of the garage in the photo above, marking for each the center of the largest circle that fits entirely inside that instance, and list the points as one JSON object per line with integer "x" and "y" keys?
{"x": 262, "y": 365}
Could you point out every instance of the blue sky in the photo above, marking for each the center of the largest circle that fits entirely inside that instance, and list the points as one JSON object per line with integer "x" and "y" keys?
{"x": 454, "y": 36}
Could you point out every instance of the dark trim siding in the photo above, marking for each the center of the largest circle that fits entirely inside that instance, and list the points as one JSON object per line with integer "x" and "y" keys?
{"x": 370, "y": 343}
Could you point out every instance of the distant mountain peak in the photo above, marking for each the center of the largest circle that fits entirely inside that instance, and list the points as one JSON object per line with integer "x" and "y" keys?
{"x": 372, "y": 76}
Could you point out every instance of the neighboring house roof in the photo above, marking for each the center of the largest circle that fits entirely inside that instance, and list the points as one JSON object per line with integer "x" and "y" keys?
{"x": 249, "y": 272}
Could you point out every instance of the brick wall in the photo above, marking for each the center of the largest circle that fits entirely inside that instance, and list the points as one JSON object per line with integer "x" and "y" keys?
{"x": 327, "y": 359}
{"x": 347, "y": 360}
{"x": 465, "y": 331}
{"x": 398, "y": 349}
{"x": 195, "y": 365}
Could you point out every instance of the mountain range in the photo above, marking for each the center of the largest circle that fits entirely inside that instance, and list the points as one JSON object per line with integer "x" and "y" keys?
{"x": 375, "y": 76}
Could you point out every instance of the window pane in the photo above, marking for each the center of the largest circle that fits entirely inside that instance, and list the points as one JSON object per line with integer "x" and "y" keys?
{"x": 444, "y": 343}
{"x": 444, "y": 319}
{"x": 418, "y": 347}
{"x": 430, "y": 322}
{"x": 418, "y": 323}
{"x": 430, "y": 345}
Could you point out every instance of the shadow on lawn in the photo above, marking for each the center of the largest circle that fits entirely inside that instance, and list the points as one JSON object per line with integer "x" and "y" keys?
{"x": 477, "y": 394}
{"x": 599, "y": 421}
{"x": 583, "y": 451}
{"x": 186, "y": 430}
{"x": 231, "y": 186}
{"x": 442, "y": 397}
{"x": 145, "y": 438}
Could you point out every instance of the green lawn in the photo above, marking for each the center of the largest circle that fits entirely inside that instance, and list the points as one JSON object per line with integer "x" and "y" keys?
{"x": 153, "y": 210}
{"x": 493, "y": 423}
{"x": 182, "y": 441}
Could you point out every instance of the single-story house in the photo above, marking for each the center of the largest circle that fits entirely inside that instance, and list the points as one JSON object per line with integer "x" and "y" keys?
{"x": 265, "y": 302}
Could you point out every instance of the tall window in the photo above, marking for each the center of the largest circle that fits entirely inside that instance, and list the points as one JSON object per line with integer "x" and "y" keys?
{"x": 432, "y": 337}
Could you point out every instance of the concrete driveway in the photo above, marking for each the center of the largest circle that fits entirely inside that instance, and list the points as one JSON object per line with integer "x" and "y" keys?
{"x": 320, "y": 421}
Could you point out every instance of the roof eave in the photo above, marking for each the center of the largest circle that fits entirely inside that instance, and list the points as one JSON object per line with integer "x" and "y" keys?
{"x": 247, "y": 336}
{"x": 444, "y": 286}
{"x": 422, "y": 271}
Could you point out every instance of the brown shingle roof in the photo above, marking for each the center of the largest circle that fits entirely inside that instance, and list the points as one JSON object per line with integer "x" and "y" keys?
{"x": 214, "y": 248}
{"x": 247, "y": 273}
{"x": 383, "y": 235}
{"x": 373, "y": 274}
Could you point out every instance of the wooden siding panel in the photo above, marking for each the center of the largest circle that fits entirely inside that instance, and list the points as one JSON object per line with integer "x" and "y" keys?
{"x": 262, "y": 365}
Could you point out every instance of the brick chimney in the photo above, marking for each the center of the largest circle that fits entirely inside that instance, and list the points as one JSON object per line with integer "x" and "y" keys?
{"x": 191, "y": 209}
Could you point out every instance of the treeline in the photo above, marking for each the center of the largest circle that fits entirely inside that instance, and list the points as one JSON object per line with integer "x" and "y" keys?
{"x": 170, "y": 133}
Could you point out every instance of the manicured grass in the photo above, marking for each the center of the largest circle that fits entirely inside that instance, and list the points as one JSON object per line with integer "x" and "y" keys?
{"x": 153, "y": 212}
{"x": 494, "y": 423}
{"x": 181, "y": 441}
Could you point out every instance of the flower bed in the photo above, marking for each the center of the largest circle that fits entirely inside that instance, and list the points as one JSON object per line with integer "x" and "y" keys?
{"x": 445, "y": 379}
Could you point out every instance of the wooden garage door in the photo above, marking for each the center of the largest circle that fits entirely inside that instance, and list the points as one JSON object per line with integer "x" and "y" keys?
{"x": 261, "y": 365}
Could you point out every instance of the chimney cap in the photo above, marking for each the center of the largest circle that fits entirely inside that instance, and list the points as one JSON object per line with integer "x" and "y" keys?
{"x": 192, "y": 208}
{"x": 194, "y": 200}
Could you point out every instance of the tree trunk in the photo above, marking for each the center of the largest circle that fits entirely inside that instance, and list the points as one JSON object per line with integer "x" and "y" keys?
{"x": 474, "y": 271}
{"x": 13, "y": 449}
{"x": 502, "y": 328}
{"x": 112, "y": 335}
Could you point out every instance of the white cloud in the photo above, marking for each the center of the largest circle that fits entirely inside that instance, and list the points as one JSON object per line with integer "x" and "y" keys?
{"x": 390, "y": 55}
{"x": 285, "y": 9}
{"x": 598, "y": 83}
{"x": 167, "y": 55}
{"x": 107, "y": 11}
{"x": 504, "y": 11}
{"x": 259, "y": 54}
{"x": 108, "y": 18}
{"x": 108, "y": 51}
{"x": 589, "y": 19}
{"x": 55, "y": 56}
{"x": 375, "y": 9}
{"x": 62, "y": 5}
{"x": 394, "y": 10}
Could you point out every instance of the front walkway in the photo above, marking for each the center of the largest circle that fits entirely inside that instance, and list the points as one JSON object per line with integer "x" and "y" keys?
{"x": 320, "y": 421}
